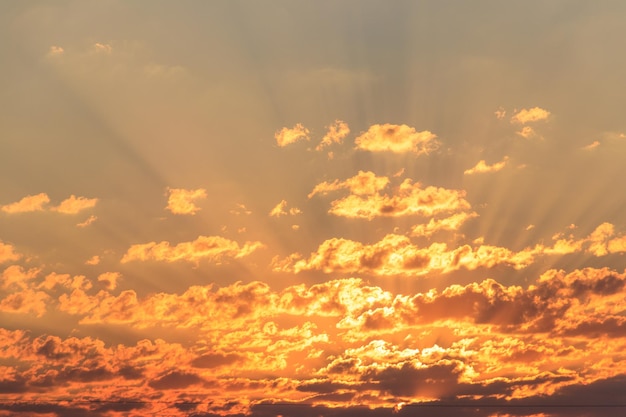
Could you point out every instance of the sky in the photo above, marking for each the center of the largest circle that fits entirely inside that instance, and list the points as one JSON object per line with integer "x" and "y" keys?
{"x": 354, "y": 208}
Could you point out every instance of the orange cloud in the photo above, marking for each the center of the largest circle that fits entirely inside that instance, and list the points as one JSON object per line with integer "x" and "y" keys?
{"x": 181, "y": 201}
{"x": 451, "y": 223}
{"x": 16, "y": 276}
{"x": 287, "y": 136}
{"x": 7, "y": 253}
{"x": 27, "y": 204}
{"x": 213, "y": 248}
{"x": 591, "y": 146}
{"x": 74, "y": 205}
{"x": 530, "y": 115}
{"x": 335, "y": 134}
{"x": 25, "y": 301}
{"x": 109, "y": 279}
{"x": 281, "y": 210}
{"x": 55, "y": 51}
{"x": 88, "y": 221}
{"x": 397, "y": 139}
{"x": 481, "y": 167}
{"x": 364, "y": 183}
{"x": 409, "y": 198}
{"x": 396, "y": 255}
{"x": 527, "y": 132}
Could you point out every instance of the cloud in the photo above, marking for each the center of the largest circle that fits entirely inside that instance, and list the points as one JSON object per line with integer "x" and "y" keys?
{"x": 109, "y": 279}
{"x": 337, "y": 131}
{"x": 287, "y": 136}
{"x": 74, "y": 205}
{"x": 527, "y": 132}
{"x": 481, "y": 167}
{"x": 591, "y": 146}
{"x": 181, "y": 201}
{"x": 212, "y": 248}
{"x": 87, "y": 221}
{"x": 397, "y": 255}
{"x": 397, "y": 139}
{"x": 31, "y": 203}
{"x": 530, "y": 115}
{"x": 55, "y": 51}
{"x": 364, "y": 183}
{"x": 103, "y": 48}
{"x": 451, "y": 223}
{"x": 366, "y": 201}
{"x": 500, "y": 113}
{"x": 25, "y": 301}
{"x": 94, "y": 260}
{"x": 27, "y": 204}
{"x": 281, "y": 210}
{"x": 7, "y": 253}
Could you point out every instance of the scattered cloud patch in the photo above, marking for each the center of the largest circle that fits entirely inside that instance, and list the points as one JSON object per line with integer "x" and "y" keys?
{"x": 534, "y": 114}
{"x": 212, "y": 248}
{"x": 397, "y": 139}
{"x": 287, "y": 136}
{"x": 27, "y": 204}
{"x": 481, "y": 167}
{"x": 281, "y": 210}
{"x": 337, "y": 131}
{"x": 182, "y": 201}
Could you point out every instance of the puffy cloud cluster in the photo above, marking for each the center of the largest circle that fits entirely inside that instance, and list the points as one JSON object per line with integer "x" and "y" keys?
{"x": 397, "y": 139}
{"x": 182, "y": 201}
{"x": 287, "y": 136}
{"x": 212, "y": 248}
{"x": 30, "y": 203}
{"x": 533, "y": 114}
{"x": 397, "y": 255}
{"x": 339, "y": 343}
{"x": 366, "y": 201}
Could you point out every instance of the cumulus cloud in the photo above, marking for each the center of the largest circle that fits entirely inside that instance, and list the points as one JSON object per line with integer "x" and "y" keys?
{"x": 27, "y": 204}
{"x": 74, "y": 205}
{"x": 212, "y": 248}
{"x": 397, "y": 255}
{"x": 397, "y": 139}
{"x": 534, "y": 114}
{"x": 482, "y": 167}
{"x": 7, "y": 253}
{"x": 182, "y": 201}
{"x": 109, "y": 279}
{"x": 281, "y": 210}
{"x": 38, "y": 202}
{"x": 366, "y": 201}
{"x": 337, "y": 131}
{"x": 287, "y": 136}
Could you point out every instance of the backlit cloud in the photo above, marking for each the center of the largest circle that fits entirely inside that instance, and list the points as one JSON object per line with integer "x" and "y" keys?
{"x": 287, "y": 136}
{"x": 337, "y": 131}
{"x": 212, "y": 248}
{"x": 7, "y": 253}
{"x": 74, "y": 205}
{"x": 182, "y": 201}
{"x": 530, "y": 115}
{"x": 397, "y": 139}
{"x": 527, "y": 132}
{"x": 451, "y": 223}
{"x": 27, "y": 204}
{"x": 366, "y": 201}
{"x": 482, "y": 167}
{"x": 281, "y": 210}
{"x": 591, "y": 146}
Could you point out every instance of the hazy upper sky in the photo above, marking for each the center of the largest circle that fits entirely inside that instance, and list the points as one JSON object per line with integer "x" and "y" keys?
{"x": 312, "y": 208}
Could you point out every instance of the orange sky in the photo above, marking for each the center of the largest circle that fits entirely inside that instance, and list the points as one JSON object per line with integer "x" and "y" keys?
{"x": 355, "y": 208}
